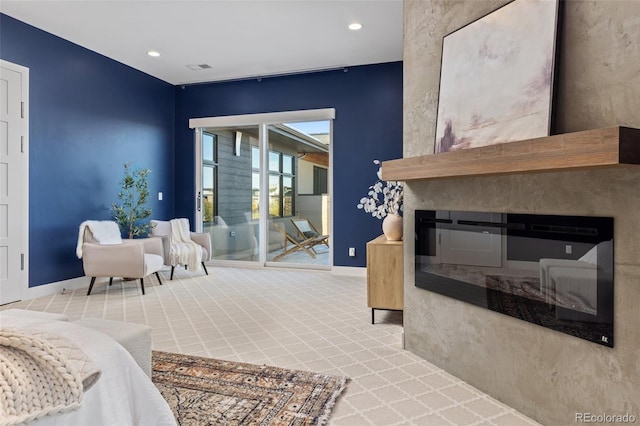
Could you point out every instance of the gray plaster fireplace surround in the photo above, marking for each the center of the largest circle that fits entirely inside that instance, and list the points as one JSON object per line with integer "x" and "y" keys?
{"x": 548, "y": 375}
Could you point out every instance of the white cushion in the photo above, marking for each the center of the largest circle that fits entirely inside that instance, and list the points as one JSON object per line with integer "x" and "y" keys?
{"x": 153, "y": 263}
{"x": 591, "y": 256}
{"x": 219, "y": 221}
{"x": 135, "y": 338}
{"x": 160, "y": 227}
{"x": 24, "y": 313}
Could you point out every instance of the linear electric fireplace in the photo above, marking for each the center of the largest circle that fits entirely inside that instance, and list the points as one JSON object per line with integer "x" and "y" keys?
{"x": 554, "y": 271}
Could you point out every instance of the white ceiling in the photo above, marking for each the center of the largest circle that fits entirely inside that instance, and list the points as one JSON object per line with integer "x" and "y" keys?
{"x": 238, "y": 38}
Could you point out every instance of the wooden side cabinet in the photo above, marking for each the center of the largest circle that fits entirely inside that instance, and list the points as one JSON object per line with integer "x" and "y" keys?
{"x": 385, "y": 277}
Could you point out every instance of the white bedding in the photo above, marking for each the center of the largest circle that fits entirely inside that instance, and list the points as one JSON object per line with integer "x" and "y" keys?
{"x": 123, "y": 395}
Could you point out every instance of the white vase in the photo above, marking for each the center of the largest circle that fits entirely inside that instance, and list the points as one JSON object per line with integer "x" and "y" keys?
{"x": 392, "y": 227}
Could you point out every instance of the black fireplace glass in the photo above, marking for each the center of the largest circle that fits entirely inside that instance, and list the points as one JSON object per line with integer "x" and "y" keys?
{"x": 554, "y": 271}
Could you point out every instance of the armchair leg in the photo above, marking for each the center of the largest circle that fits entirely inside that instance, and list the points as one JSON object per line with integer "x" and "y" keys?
{"x": 110, "y": 280}
{"x": 93, "y": 280}
{"x": 159, "y": 280}
{"x": 205, "y": 268}
{"x": 172, "y": 269}
{"x": 142, "y": 285}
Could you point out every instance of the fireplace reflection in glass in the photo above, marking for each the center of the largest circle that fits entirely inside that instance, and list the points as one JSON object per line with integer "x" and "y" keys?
{"x": 554, "y": 271}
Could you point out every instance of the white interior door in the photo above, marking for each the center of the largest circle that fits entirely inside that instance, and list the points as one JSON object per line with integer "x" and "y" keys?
{"x": 475, "y": 244}
{"x": 12, "y": 193}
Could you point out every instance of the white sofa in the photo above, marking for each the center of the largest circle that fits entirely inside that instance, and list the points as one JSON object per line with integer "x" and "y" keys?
{"x": 233, "y": 242}
{"x": 576, "y": 278}
{"x": 239, "y": 241}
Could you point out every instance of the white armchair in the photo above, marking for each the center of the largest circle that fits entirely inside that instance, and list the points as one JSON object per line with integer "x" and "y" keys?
{"x": 162, "y": 230}
{"x": 118, "y": 258}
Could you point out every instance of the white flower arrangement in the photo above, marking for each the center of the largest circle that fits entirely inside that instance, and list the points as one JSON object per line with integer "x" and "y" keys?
{"x": 384, "y": 197}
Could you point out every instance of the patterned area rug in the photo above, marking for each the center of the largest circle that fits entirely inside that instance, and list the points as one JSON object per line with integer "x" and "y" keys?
{"x": 205, "y": 391}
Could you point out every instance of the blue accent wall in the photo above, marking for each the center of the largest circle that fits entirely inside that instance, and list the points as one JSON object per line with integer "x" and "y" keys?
{"x": 368, "y": 126}
{"x": 88, "y": 116}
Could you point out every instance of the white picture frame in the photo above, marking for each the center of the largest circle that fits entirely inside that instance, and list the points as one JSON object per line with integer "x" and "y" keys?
{"x": 496, "y": 78}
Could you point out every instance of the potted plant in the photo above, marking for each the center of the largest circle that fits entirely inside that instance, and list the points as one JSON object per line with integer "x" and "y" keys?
{"x": 133, "y": 195}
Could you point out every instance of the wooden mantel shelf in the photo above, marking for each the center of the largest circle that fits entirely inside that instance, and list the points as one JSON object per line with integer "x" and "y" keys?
{"x": 608, "y": 147}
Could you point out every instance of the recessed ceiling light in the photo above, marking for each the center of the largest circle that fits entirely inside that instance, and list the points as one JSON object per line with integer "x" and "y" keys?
{"x": 153, "y": 53}
{"x": 355, "y": 26}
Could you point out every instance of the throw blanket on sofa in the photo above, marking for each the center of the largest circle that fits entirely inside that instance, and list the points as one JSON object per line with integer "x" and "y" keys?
{"x": 41, "y": 374}
{"x": 103, "y": 231}
{"x": 183, "y": 250}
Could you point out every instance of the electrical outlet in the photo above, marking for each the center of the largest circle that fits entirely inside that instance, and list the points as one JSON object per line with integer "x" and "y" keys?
{"x": 352, "y": 252}
{"x": 159, "y": 196}
{"x": 568, "y": 249}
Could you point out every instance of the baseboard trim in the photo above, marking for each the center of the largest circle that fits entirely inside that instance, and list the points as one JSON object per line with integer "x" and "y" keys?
{"x": 58, "y": 287}
{"x": 83, "y": 282}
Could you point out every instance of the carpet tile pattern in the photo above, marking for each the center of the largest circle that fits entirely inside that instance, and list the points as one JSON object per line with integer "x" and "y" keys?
{"x": 306, "y": 320}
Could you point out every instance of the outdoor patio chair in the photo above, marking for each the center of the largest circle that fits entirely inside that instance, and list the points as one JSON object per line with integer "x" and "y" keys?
{"x": 307, "y": 230}
{"x": 293, "y": 243}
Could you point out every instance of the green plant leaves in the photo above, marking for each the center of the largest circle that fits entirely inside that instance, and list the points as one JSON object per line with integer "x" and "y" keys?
{"x": 130, "y": 211}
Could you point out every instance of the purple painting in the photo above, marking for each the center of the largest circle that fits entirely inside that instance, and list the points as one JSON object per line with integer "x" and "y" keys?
{"x": 496, "y": 79}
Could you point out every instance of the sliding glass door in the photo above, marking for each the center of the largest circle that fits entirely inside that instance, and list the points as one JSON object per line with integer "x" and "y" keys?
{"x": 299, "y": 207}
{"x": 228, "y": 192}
{"x": 263, "y": 187}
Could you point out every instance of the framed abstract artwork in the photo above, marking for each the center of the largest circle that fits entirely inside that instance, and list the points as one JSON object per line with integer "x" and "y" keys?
{"x": 496, "y": 77}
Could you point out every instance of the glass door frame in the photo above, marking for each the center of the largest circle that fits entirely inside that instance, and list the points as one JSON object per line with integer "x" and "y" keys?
{"x": 262, "y": 121}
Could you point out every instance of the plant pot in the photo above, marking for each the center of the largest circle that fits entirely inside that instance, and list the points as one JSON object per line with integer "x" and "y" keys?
{"x": 392, "y": 227}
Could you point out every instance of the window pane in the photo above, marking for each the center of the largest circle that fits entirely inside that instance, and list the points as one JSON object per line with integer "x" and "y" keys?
{"x": 287, "y": 199}
{"x": 320, "y": 181}
{"x": 255, "y": 195}
{"x": 274, "y": 196}
{"x": 208, "y": 145}
{"x": 255, "y": 157}
{"x": 274, "y": 161}
{"x": 208, "y": 195}
{"x": 287, "y": 164}
{"x": 228, "y": 214}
